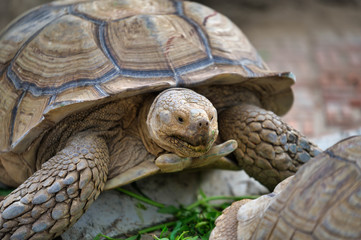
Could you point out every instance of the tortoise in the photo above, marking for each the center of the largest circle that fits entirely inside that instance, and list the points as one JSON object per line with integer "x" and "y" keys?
{"x": 321, "y": 201}
{"x": 99, "y": 93}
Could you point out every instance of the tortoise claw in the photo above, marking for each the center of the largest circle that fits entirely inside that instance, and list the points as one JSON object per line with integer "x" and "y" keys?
{"x": 215, "y": 156}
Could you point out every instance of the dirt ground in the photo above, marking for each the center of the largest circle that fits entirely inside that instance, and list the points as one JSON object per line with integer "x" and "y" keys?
{"x": 319, "y": 41}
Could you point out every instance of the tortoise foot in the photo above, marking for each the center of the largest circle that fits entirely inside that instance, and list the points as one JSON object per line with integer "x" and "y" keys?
{"x": 56, "y": 196}
{"x": 268, "y": 149}
{"x": 214, "y": 157}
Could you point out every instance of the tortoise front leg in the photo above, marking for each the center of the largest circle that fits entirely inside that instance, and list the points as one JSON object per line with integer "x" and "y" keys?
{"x": 268, "y": 149}
{"x": 214, "y": 158}
{"x": 56, "y": 196}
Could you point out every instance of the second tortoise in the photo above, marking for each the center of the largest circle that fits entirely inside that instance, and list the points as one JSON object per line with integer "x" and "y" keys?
{"x": 321, "y": 201}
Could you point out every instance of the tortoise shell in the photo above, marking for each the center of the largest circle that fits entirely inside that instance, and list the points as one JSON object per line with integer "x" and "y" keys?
{"x": 321, "y": 201}
{"x": 62, "y": 57}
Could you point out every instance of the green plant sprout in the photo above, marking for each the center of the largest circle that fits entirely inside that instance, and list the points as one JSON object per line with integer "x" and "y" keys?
{"x": 193, "y": 222}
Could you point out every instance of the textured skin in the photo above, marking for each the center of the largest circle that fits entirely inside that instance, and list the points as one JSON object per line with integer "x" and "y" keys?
{"x": 321, "y": 201}
{"x": 268, "y": 149}
{"x": 55, "y": 197}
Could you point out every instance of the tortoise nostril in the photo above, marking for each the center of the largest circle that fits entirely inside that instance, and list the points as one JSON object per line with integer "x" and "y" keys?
{"x": 203, "y": 123}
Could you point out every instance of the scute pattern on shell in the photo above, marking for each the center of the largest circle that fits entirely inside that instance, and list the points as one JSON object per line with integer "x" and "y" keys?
{"x": 80, "y": 52}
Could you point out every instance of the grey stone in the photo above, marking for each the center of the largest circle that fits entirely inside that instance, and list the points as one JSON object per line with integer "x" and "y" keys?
{"x": 120, "y": 214}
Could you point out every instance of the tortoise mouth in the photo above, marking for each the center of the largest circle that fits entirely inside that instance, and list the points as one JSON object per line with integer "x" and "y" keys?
{"x": 188, "y": 147}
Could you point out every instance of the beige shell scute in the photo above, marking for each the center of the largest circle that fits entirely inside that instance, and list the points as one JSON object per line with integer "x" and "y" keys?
{"x": 225, "y": 38}
{"x": 22, "y": 29}
{"x": 62, "y": 52}
{"x": 8, "y": 101}
{"x": 110, "y": 10}
{"x": 70, "y": 55}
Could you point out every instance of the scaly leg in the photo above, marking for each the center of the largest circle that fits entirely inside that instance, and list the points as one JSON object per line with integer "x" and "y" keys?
{"x": 56, "y": 196}
{"x": 268, "y": 149}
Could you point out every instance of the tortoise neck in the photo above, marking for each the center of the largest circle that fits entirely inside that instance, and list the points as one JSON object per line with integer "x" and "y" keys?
{"x": 147, "y": 140}
{"x": 225, "y": 96}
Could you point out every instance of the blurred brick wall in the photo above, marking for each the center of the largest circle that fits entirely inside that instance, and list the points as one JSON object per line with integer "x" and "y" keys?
{"x": 318, "y": 40}
{"x": 9, "y": 9}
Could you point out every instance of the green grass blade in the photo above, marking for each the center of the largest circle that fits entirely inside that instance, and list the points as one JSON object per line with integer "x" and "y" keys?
{"x": 157, "y": 227}
{"x": 194, "y": 221}
{"x": 208, "y": 199}
{"x": 141, "y": 198}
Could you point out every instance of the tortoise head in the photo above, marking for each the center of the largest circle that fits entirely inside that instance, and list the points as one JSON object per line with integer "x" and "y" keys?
{"x": 183, "y": 122}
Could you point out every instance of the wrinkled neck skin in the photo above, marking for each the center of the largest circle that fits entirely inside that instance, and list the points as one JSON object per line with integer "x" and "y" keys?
{"x": 147, "y": 140}
{"x": 179, "y": 121}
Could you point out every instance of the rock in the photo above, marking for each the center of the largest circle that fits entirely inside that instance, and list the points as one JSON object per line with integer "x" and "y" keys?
{"x": 114, "y": 213}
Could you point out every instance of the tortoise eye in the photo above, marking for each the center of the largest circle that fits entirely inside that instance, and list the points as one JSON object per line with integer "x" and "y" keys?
{"x": 180, "y": 119}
